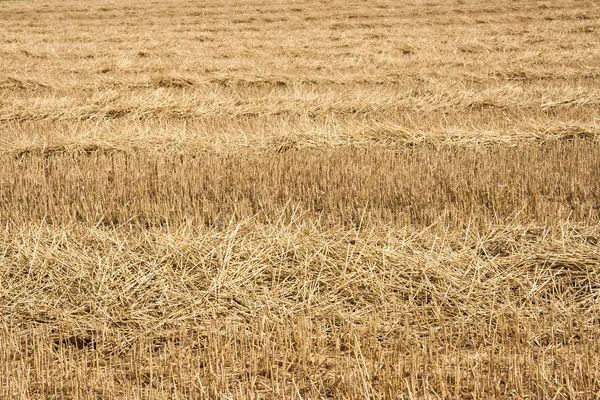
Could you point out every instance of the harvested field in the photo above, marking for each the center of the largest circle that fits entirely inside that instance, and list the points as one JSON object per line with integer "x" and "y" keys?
{"x": 271, "y": 200}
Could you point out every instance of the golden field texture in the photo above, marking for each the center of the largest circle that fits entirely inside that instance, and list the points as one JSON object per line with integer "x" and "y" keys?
{"x": 290, "y": 200}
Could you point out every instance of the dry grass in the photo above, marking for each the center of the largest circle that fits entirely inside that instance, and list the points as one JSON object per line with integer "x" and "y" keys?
{"x": 258, "y": 199}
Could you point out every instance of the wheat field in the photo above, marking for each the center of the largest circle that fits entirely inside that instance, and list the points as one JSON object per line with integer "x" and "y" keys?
{"x": 258, "y": 199}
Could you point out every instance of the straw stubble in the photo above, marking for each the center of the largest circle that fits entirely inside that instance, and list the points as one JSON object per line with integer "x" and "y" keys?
{"x": 307, "y": 200}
